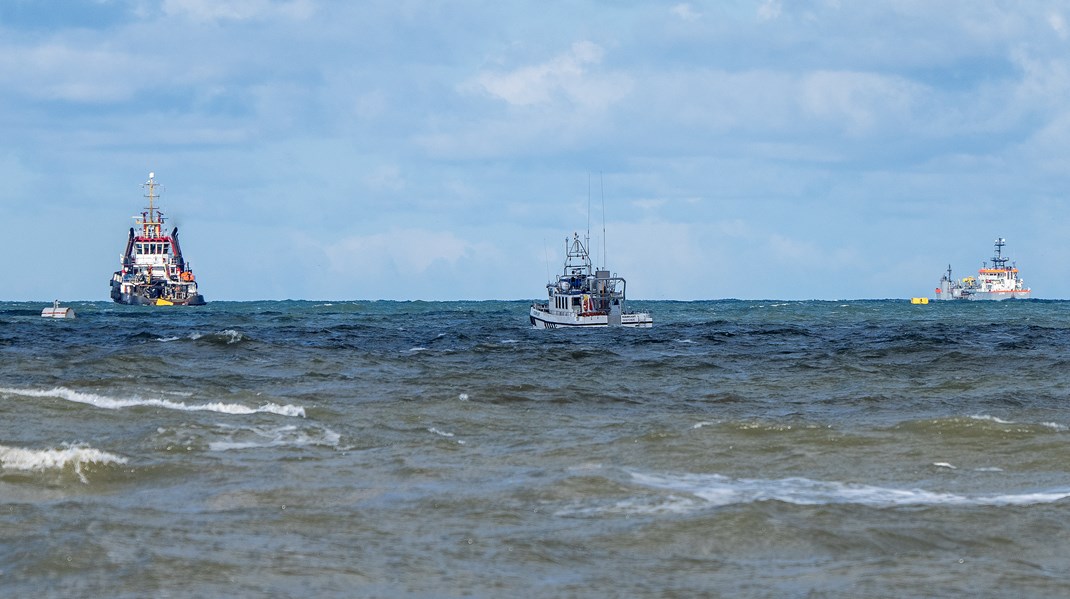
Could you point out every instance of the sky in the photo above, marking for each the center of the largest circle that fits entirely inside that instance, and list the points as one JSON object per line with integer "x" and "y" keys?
{"x": 427, "y": 150}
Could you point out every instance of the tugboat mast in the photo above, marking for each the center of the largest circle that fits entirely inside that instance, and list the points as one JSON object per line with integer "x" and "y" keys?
{"x": 152, "y": 220}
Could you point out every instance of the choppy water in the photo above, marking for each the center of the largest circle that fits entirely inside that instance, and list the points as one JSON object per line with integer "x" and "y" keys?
{"x": 737, "y": 449}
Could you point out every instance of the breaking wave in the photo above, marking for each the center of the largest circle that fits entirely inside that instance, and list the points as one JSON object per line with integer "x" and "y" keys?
{"x": 17, "y": 458}
{"x": 110, "y": 403}
{"x": 716, "y": 491}
{"x": 283, "y": 436}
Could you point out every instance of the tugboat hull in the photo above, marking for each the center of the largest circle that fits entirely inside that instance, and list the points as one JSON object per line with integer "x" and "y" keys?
{"x": 150, "y": 299}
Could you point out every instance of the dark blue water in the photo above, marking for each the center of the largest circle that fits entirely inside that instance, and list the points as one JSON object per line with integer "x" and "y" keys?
{"x": 430, "y": 449}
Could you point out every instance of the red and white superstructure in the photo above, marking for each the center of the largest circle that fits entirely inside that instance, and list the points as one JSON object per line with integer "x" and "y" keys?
{"x": 154, "y": 272}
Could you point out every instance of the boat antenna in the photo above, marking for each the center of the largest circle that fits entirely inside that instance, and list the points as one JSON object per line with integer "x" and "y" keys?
{"x": 546, "y": 257}
{"x": 602, "y": 185}
{"x": 588, "y": 210}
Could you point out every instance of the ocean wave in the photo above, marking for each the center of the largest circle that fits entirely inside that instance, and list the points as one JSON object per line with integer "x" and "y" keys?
{"x": 283, "y": 436}
{"x": 715, "y": 490}
{"x": 224, "y": 337}
{"x": 110, "y": 403}
{"x": 980, "y": 424}
{"x": 442, "y": 433}
{"x": 18, "y": 458}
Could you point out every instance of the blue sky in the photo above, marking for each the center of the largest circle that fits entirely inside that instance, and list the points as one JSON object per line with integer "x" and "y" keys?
{"x": 319, "y": 149}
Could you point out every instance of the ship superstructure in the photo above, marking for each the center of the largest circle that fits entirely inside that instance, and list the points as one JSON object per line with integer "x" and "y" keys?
{"x": 153, "y": 270}
{"x": 583, "y": 296}
{"x": 997, "y": 281}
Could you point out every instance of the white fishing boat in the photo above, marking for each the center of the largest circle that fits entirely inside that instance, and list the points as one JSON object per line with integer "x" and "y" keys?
{"x": 585, "y": 297}
{"x": 996, "y": 282}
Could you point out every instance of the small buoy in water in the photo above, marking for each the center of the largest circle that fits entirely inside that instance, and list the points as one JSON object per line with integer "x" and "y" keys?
{"x": 57, "y": 312}
{"x": 919, "y": 300}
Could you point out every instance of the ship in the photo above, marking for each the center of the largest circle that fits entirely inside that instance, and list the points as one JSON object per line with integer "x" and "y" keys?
{"x": 584, "y": 296}
{"x": 153, "y": 271}
{"x": 996, "y": 282}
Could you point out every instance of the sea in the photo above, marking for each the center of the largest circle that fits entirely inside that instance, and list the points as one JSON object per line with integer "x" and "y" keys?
{"x": 447, "y": 449}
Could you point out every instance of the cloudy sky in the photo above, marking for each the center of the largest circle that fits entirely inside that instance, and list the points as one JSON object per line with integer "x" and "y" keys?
{"x": 403, "y": 149}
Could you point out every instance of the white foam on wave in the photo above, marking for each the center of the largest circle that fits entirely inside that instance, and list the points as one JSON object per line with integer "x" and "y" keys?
{"x": 944, "y": 465}
{"x": 717, "y": 490}
{"x": 987, "y": 418}
{"x": 232, "y": 336}
{"x": 698, "y": 425}
{"x": 18, "y": 458}
{"x": 283, "y": 436}
{"x": 110, "y": 403}
{"x": 441, "y": 433}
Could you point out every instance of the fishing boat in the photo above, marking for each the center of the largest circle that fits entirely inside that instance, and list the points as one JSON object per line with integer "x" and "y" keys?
{"x": 996, "y": 282}
{"x": 153, "y": 271}
{"x": 585, "y": 297}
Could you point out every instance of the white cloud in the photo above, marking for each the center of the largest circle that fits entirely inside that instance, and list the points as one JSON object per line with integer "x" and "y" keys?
{"x": 859, "y": 101}
{"x": 385, "y": 177}
{"x": 58, "y": 71}
{"x": 686, "y": 12}
{"x": 237, "y": 10}
{"x": 650, "y": 204}
{"x": 566, "y": 76}
{"x": 403, "y": 252}
{"x": 1058, "y": 24}
{"x": 769, "y": 10}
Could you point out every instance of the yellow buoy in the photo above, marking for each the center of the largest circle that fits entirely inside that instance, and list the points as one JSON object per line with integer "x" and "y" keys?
{"x": 919, "y": 300}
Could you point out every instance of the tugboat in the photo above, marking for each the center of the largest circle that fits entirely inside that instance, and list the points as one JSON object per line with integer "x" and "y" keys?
{"x": 585, "y": 297}
{"x": 153, "y": 272}
{"x": 998, "y": 282}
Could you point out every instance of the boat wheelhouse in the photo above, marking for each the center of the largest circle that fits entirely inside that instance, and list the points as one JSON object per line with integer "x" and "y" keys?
{"x": 153, "y": 270}
{"x": 583, "y": 296}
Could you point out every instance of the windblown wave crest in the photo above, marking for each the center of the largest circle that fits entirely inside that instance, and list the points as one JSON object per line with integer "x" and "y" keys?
{"x": 111, "y": 403}
{"x": 18, "y": 458}
{"x": 718, "y": 490}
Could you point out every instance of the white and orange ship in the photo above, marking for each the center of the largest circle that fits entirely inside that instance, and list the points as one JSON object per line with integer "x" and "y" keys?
{"x": 995, "y": 282}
